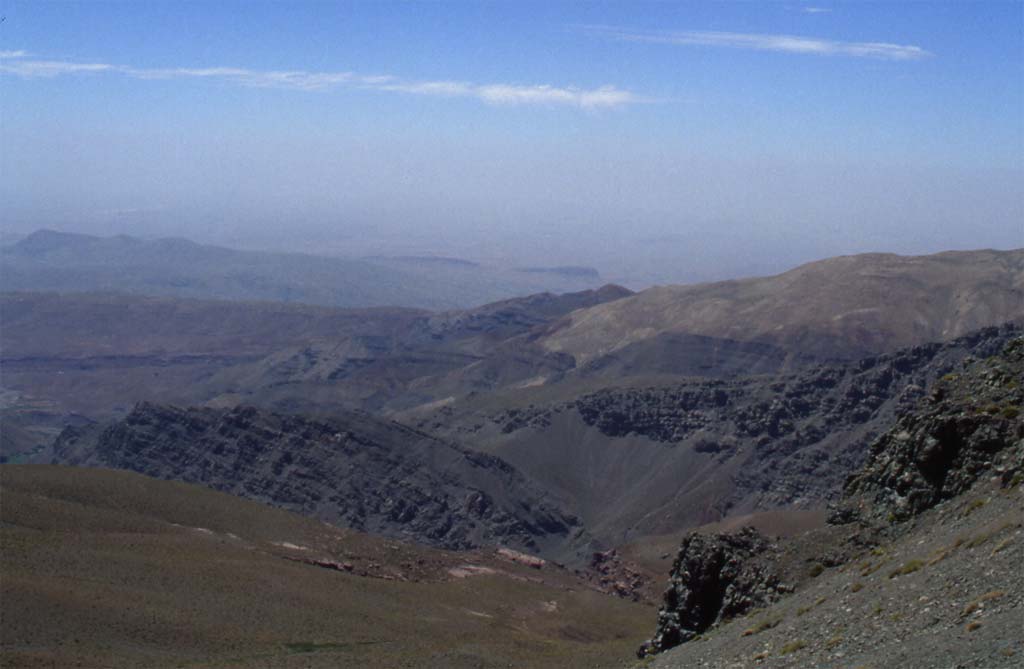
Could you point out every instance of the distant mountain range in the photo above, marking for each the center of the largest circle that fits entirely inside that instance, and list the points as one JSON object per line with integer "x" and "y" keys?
{"x": 65, "y": 262}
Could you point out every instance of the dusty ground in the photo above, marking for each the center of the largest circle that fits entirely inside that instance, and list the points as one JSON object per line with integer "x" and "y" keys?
{"x": 113, "y": 569}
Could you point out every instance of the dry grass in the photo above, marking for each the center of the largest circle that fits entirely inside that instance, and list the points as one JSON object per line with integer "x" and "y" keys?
{"x": 792, "y": 647}
{"x": 104, "y": 568}
{"x": 976, "y": 604}
{"x": 1002, "y": 545}
{"x": 974, "y": 505}
{"x": 908, "y": 567}
{"x": 765, "y": 624}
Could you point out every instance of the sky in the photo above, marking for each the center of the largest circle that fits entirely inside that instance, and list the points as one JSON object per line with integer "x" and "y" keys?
{"x": 659, "y": 143}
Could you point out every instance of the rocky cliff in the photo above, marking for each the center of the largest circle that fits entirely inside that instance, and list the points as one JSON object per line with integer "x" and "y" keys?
{"x": 940, "y": 493}
{"x": 354, "y": 470}
{"x": 700, "y": 449}
{"x": 969, "y": 426}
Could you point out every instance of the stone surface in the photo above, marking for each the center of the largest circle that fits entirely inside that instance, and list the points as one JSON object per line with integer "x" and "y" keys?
{"x": 971, "y": 424}
{"x": 715, "y": 578}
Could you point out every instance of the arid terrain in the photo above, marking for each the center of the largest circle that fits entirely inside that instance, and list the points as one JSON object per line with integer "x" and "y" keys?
{"x": 508, "y": 485}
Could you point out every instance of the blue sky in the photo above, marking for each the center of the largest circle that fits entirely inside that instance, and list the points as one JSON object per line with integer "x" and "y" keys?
{"x": 660, "y": 142}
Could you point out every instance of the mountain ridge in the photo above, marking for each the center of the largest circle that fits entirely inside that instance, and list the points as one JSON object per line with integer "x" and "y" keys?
{"x": 353, "y": 470}
{"x": 843, "y": 307}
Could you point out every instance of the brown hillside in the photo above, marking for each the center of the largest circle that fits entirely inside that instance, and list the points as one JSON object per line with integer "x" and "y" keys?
{"x": 836, "y": 308}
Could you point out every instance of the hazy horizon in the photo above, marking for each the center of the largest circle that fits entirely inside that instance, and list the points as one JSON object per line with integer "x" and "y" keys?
{"x": 657, "y": 143}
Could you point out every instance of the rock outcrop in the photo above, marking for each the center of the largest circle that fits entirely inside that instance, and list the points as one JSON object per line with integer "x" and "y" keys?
{"x": 970, "y": 425}
{"x": 967, "y": 432}
{"x": 702, "y": 449}
{"x": 715, "y": 578}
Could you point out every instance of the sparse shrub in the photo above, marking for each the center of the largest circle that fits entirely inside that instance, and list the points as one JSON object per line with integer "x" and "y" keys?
{"x": 973, "y": 625}
{"x": 977, "y": 603}
{"x": 816, "y": 570}
{"x": 908, "y": 567}
{"x": 977, "y": 541}
{"x": 793, "y": 646}
{"x": 1010, "y": 412}
{"x": 805, "y": 609}
{"x": 1002, "y": 545}
{"x": 856, "y": 587}
{"x": 974, "y": 505}
{"x": 871, "y": 569}
{"x": 833, "y": 642}
{"x": 941, "y": 555}
{"x": 765, "y": 624}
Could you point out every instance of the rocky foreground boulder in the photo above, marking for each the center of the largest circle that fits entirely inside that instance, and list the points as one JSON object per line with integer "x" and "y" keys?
{"x": 715, "y": 578}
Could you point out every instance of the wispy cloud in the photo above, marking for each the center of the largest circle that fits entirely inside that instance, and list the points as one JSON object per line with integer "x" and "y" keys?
{"x": 50, "y": 68}
{"x": 763, "y": 42}
{"x": 604, "y": 97}
{"x": 511, "y": 94}
{"x": 815, "y": 10}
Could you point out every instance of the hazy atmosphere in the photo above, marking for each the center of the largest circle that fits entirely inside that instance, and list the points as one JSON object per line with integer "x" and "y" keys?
{"x": 655, "y": 142}
{"x": 480, "y": 335}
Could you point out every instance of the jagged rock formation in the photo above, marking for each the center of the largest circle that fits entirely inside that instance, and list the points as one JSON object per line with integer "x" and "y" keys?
{"x": 355, "y": 470}
{"x": 704, "y": 448}
{"x": 715, "y": 578}
{"x": 969, "y": 425}
{"x": 965, "y": 439}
